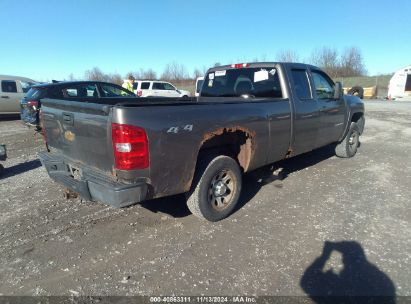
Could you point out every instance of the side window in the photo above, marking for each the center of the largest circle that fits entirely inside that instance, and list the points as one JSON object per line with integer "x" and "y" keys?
{"x": 158, "y": 86}
{"x": 323, "y": 85}
{"x": 145, "y": 85}
{"x": 26, "y": 85}
{"x": 56, "y": 93}
{"x": 8, "y": 86}
{"x": 199, "y": 85}
{"x": 81, "y": 91}
{"x": 168, "y": 86}
{"x": 115, "y": 91}
{"x": 301, "y": 84}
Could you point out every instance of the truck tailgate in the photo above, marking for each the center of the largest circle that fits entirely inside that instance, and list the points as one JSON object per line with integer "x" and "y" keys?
{"x": 80, "y": 131}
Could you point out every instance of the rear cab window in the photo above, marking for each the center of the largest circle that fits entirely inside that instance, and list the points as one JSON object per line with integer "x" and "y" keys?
{"x": 8, "y": 86}
{"x": 254, "y": 82}
{"x": 301, "y": 84}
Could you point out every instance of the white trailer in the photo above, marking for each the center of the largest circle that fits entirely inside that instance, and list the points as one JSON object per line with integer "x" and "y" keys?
{"x": 400, "y": 84}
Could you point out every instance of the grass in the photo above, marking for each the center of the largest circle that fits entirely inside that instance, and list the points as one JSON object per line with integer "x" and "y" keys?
{"x": 380, "y": 81}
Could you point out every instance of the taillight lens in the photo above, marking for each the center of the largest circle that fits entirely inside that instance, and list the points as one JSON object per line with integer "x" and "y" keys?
{"x": 33, "y": 103}
{"x": 139, "y": 93}
{"x": 130, "y": 146}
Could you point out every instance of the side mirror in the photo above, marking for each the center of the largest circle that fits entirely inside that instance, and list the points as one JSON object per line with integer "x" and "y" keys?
{"x": 338, "y": 90}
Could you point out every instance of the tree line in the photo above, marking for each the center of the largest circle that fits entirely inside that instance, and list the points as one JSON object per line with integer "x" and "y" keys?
{"x": 349, "y": 62}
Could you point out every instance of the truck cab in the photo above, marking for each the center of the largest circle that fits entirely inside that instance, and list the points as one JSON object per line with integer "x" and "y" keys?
{"x": 12, "y": 90}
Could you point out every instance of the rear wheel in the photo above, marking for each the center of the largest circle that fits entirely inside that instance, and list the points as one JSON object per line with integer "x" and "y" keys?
{"x": 216, "y": 188}
{"x": 349, "y": 145}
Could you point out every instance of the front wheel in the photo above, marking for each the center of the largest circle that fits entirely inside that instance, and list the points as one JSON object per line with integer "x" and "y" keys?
{"x": 349, "y": 145}
{"x": 216, "y": 188}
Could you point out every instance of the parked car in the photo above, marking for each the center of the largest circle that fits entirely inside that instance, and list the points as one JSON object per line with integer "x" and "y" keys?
{"x": 247, "y": 116}
{"x": 12, "y": 90}
{"x": 148, "y": 88}
{"x": 199, "y": 84}
{"x": 87, "y": 91}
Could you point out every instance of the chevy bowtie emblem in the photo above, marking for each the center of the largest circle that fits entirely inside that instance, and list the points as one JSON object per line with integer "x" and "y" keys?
{"x": 70, "y": 136}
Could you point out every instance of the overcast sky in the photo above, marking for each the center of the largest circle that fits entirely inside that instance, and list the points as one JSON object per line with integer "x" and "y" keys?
{"x": 47, "y": 40}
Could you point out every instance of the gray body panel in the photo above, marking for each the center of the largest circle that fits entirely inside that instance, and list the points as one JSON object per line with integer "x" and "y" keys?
{"x": 176, "y": 131}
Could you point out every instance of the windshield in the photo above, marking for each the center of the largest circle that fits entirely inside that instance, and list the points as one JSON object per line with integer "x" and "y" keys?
{"x": 245, "y": 82}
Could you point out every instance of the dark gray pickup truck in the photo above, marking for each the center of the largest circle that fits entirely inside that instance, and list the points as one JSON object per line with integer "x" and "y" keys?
{"x": 247, "y": 116}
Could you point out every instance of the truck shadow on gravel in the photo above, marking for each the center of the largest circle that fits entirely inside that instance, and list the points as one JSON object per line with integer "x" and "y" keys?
{"x": 252, "y": 182}
{"x": 355, "y": 280}
{"x": 20, "y": 168}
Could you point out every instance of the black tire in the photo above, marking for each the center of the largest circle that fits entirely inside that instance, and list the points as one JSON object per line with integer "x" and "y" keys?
{"x": 216, "y": 188}
{"x": 349, "y": 145}
{"x": 1, "y": 169}
{"x": 356, "y": 91}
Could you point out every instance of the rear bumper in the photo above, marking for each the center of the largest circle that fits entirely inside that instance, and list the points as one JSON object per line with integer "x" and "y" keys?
{"x": 92, "y": 185}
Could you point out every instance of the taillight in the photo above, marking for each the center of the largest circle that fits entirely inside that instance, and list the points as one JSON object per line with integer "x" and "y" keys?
{"x": 240, "y": 65}
{"x": 33, "y": 103}
{"x": 139, "y": 93}
{"x": 130, "y": 146}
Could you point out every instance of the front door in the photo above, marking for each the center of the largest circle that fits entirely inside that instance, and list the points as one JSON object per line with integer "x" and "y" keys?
{"x": 332, "y": 111}
{"x": 171, "y": 90}
{"x": 10, "y": 96}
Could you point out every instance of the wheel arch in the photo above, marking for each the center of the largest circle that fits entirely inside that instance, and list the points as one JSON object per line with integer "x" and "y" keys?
{"x": 359, "y": 119}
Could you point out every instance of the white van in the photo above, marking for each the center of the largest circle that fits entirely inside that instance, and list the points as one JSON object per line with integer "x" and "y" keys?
{"x": 155, "y": 88}
{"x": 400, "y": 84}
{"x": 12, "y": 90}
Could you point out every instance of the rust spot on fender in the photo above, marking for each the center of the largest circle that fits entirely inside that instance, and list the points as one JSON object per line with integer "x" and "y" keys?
{"x": 247, "y": 147}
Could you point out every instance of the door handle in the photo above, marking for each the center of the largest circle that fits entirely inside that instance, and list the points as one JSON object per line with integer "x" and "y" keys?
{"x": 6, "y": 97}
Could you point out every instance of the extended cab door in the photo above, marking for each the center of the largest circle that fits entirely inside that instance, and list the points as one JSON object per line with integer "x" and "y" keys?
{"x": 10, "y": 96}
{"x": 332, "y": 111}
{"x": 306, "y": 112}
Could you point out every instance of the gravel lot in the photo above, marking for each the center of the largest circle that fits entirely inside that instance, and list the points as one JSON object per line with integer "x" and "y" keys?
{"x": 273, "y": 245}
